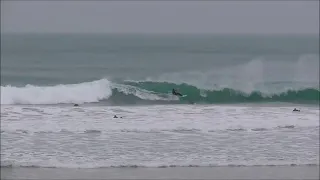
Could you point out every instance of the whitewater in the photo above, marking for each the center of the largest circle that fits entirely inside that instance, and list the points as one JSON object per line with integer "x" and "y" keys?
{"x": 139, "y": 92}
{"x": 241, "y": 91}
{"x": 158, "y": 136}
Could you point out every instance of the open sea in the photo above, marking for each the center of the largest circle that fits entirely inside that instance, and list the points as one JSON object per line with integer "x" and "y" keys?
{"x": 241, "y": 90}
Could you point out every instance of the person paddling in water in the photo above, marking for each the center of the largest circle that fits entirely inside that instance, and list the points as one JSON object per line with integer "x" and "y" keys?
{"x": 175, "y": 92}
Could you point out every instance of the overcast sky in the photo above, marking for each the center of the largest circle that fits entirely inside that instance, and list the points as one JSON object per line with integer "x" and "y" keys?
{"x": 160, "y": 17}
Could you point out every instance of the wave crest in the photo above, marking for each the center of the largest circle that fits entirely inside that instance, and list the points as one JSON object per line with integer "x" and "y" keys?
{"x": 104, "y": 91}
{"x": 86, "y": 92}
{"x": 229, "y": 95}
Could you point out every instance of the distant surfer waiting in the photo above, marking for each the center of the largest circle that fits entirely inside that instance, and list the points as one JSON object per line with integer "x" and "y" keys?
{"x": 175, "y": 92}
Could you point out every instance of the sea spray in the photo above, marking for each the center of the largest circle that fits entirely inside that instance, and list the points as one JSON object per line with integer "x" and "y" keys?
{"x": 86, "y": 92}
{"x": 131, "y": 92}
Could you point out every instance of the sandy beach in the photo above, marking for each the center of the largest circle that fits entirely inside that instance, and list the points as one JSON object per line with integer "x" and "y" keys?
{"x": 256, "y": 172}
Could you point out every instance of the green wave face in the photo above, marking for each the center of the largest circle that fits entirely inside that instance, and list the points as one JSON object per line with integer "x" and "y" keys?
{"x": 228, "y": 95}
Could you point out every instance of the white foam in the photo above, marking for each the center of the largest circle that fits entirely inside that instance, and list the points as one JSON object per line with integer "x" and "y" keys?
{"x": 87, "y": 92}
{"x": 70, "y": 93}
{"x": 154, "y": 118}
{"x": 142, "y": 94}
{"x": 181, "y": 135}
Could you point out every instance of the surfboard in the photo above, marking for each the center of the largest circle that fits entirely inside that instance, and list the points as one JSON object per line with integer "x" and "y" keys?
{"x": 184, "y": 96}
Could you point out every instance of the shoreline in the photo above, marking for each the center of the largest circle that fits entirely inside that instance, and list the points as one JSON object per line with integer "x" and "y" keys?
{"x": 236, "y": 172}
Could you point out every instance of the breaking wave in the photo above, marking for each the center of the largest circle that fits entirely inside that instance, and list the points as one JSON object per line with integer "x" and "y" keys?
{"x": 146, "y": 92}
{"x": 13, "y": 164}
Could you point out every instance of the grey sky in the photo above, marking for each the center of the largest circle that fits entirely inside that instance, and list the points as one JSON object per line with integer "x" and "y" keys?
{"x": 160, "y": 17}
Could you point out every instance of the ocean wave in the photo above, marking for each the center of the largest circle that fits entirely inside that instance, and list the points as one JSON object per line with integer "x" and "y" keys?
{"x": 173, "y": 130}
{"x": 146, "y": 92}
{"x": 14, "y": 164}
{"x": 229, "y": 95}
{"x": 86, "y": 92}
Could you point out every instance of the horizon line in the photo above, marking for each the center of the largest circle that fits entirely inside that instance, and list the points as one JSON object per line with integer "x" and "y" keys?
{"x": 164, "y": 33}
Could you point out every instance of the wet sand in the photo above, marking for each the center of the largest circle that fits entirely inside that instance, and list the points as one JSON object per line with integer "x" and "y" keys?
{"x": 255, "y": 172}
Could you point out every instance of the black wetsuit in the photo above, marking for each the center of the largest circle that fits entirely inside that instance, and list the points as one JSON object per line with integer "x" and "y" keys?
{"x": 174, "y": 92}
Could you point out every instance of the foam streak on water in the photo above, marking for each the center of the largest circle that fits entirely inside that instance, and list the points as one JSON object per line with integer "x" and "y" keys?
{"x": 158, "y": 136}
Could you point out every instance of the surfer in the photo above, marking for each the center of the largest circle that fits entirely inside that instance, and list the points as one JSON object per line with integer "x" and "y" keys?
{"x": 175, "y": 92}
{"x": 295, "y": 109}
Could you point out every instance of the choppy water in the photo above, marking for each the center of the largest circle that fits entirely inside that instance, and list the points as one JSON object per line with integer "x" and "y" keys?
{"x": 238, "y": 110}
{"x": 158, "y": 136}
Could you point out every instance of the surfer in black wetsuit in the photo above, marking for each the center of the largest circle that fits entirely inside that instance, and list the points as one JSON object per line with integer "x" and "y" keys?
{"x": 175, "y": 92}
